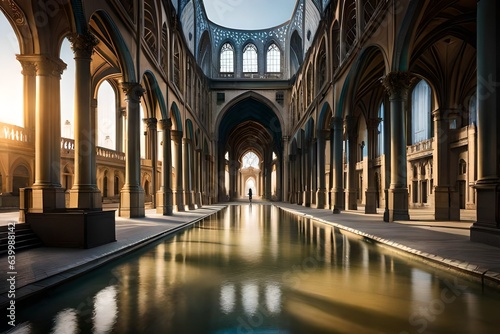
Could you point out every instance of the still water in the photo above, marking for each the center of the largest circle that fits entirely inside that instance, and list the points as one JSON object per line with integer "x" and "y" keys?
{"x": 257, "y": 269}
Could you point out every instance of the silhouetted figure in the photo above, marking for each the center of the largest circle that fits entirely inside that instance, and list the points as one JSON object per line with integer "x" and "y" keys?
{"x": 250, "y": 194}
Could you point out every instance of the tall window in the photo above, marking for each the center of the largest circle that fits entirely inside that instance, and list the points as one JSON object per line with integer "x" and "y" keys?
{"x": 250, "y": 58}
{"x": 227, "y": 58}
{"x": 273, "y": 59}
{"x": 11, "y": 89}
{"x": 421, "y": 112}
{"x": 380, "y": 141}
{"x": 106, "y": 116}
{"x": 473, "y": 110}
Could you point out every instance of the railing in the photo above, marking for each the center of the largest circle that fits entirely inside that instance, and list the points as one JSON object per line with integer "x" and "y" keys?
{"x": 68, "y": 145}
{"x": 14, "y": 133}
{"x": 422, "y": 146}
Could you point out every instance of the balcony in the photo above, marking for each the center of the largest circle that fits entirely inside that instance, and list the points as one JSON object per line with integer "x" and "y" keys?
{"x": 103, "y": 154}
{"x": 15, "y": 134}
{"x": 420, "y": 150}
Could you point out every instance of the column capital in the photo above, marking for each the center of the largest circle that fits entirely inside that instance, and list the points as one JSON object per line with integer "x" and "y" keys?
{"x": 83, "y": 44}
{"x": 373, "y": 123}
{"x": 133, "y": 91}
{"x": 397, "y": 83}
{"x": 43, "y": 64}
{"x": 150, "y": 123}
{"x": 336, "y": 123}
{"x": 165, "y": 123}
{"x": 351, "y": 126}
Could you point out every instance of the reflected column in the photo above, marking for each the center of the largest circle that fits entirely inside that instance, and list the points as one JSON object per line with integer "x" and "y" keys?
{"x": 132, "y": 194}
{"x": 397, "y": 84}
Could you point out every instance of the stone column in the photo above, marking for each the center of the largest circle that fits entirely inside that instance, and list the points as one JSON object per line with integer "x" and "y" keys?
{"x": 321, "y": 193}
{"x": 164, "y": 200}
{"x": 47, "y": 193}
{"x": 188, "y": 173}
{"x": 397, "y": 84}
{"x": 337, "y": 130}
{"x": 352, "y": 135}
{"x": 487, "y": 227}
{"x": 299, "y": 167}
{"x": 306, "y": 158}
{"x": 152, "y": 146}
{"x": 371, "y": 192}
{"x": 132, "y": 194}
{"x": 179, "y": 192}
{"x": 84, "y": 194}
{"x": 285, "y": 170}
{"x": 199, "y": 167}
{"x": 446, "y": 198}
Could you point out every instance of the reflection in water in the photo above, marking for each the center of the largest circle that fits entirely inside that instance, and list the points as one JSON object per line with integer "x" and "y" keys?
{"x": 66, "y": 322}
{"x": 264, "y": 270}
{"x": 105, "y": 310}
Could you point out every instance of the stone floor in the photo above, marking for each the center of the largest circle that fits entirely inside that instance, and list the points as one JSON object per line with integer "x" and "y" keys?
{"x": 437, "y": 243}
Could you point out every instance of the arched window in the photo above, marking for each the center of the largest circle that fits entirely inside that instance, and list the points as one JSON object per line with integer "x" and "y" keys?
{"x": 473, "y": 110}
{"x": 380, "y": 141}
{"x": 250, "y": 59}
{"x": 177, "y": 65}
{"x": 11, "y": 89}
{"x": 106, "y": 116}
{"x": 250, "y": 160}
{"x": 273, "y": 59}
{"x": 350, "y": 23}
{"x": 421, "y": 112}
{"x": 227, "y": 58}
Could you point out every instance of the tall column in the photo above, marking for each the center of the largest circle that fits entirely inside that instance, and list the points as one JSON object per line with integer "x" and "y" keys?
{"x": 179, "y": 192}
{"x": 446, "y": 197}
{"x": 199, "y": 167}
{"x": 164, "y": 200}
{"x": 371, "y": 191}
{"x": 285, "y": 170}
{"x": 487, "y": 227}
{"x": 152, "y": 144}
{"x": 300, "y": 174}
{"x": 307, "y": 151}
{"x": 397, "y": 84}
{"x": 352, "y": 189}
{"x": 188, "y": 173}
{"x": 336, "y": 128}
{"x": 84, "y": 194}
{"x": 132, "y": 194}
{"x": 321, "y": 193}
{"x": 47, "y": 193}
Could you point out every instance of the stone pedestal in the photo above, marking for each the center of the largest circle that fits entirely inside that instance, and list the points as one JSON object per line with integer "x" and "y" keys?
{"x": 321, "y": 199}
{"x": 132, "y": 203}
{"x": 446, "y": 204}
{"x": 47, "y": 199}
{"x": 371, "y": 201}
{"x": 85, "y": 198}
{"x": 164, "y": 203}
{"x": 352, "y": 200}
{"x": 398, "y": 205}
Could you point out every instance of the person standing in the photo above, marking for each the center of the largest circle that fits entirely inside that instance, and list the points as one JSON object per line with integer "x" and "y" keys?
{"x": 250, "y": 194}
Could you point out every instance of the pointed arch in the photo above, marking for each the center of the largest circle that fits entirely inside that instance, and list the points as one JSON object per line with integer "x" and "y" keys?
{"x": 175, "y": 116}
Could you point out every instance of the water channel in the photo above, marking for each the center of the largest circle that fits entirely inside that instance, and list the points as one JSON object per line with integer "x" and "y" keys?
{"x": 258, "y": 269}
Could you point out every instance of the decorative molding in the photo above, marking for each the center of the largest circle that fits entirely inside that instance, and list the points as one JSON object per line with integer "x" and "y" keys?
{"x": 397, "y": 83}
{"x": 133, "y": 91}
{"x": 15, "y": 12}
{"x": 83, "y": 44}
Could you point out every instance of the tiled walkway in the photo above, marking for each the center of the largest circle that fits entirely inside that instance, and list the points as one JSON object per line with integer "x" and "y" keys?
{"x": 444, "y": 243}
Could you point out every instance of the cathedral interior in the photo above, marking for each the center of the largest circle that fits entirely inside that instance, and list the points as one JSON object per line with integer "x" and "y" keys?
{"x": 380, "y": 105}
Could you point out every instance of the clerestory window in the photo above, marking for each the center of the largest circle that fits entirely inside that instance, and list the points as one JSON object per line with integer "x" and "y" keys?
{"x": 227, "y": 58}
{"x": 250, "y": 59}
{"x": 273, "y": 59}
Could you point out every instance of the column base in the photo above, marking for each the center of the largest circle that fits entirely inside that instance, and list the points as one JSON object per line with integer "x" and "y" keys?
{"x": 299, "y": 198}
{"x": 306, "y": 199}
{"x": 338, "y": 197}
{"x": 179, "y": 201}
{"x": 446, "y": 204}
{"x": 321, "y": 199}
{"x": 85, "y": 198}
{"x": 487, "y": 227}
{"x": 352, "y": 200}
{"x": 132, "y": 203}
{"x": 398, "y": 204}
{"x": 164, "y": 203}
{"x": 198, "y": 200}
{"x": 46, "y": 199}
{"x": 189, "y": 199}
{"x": 371, "y": 197}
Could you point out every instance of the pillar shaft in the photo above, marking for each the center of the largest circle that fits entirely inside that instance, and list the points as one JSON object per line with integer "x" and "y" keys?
{"x": 132, "y": 194}
{"x": 487, "y": 227}
{"x": 84, "y": 193}
{"x": 337, "y": 164}
{"x": 397, "y": 84}
{"x": 164, "y": 202}
{"x": 321, "y": 193}
{"x": 352, "y": 189}
{"x": 179, "y": 191}
{"x": 371, "y": 194}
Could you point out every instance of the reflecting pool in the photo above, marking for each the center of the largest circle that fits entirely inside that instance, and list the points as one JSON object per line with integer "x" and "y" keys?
{"x": 257, "y": 269}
